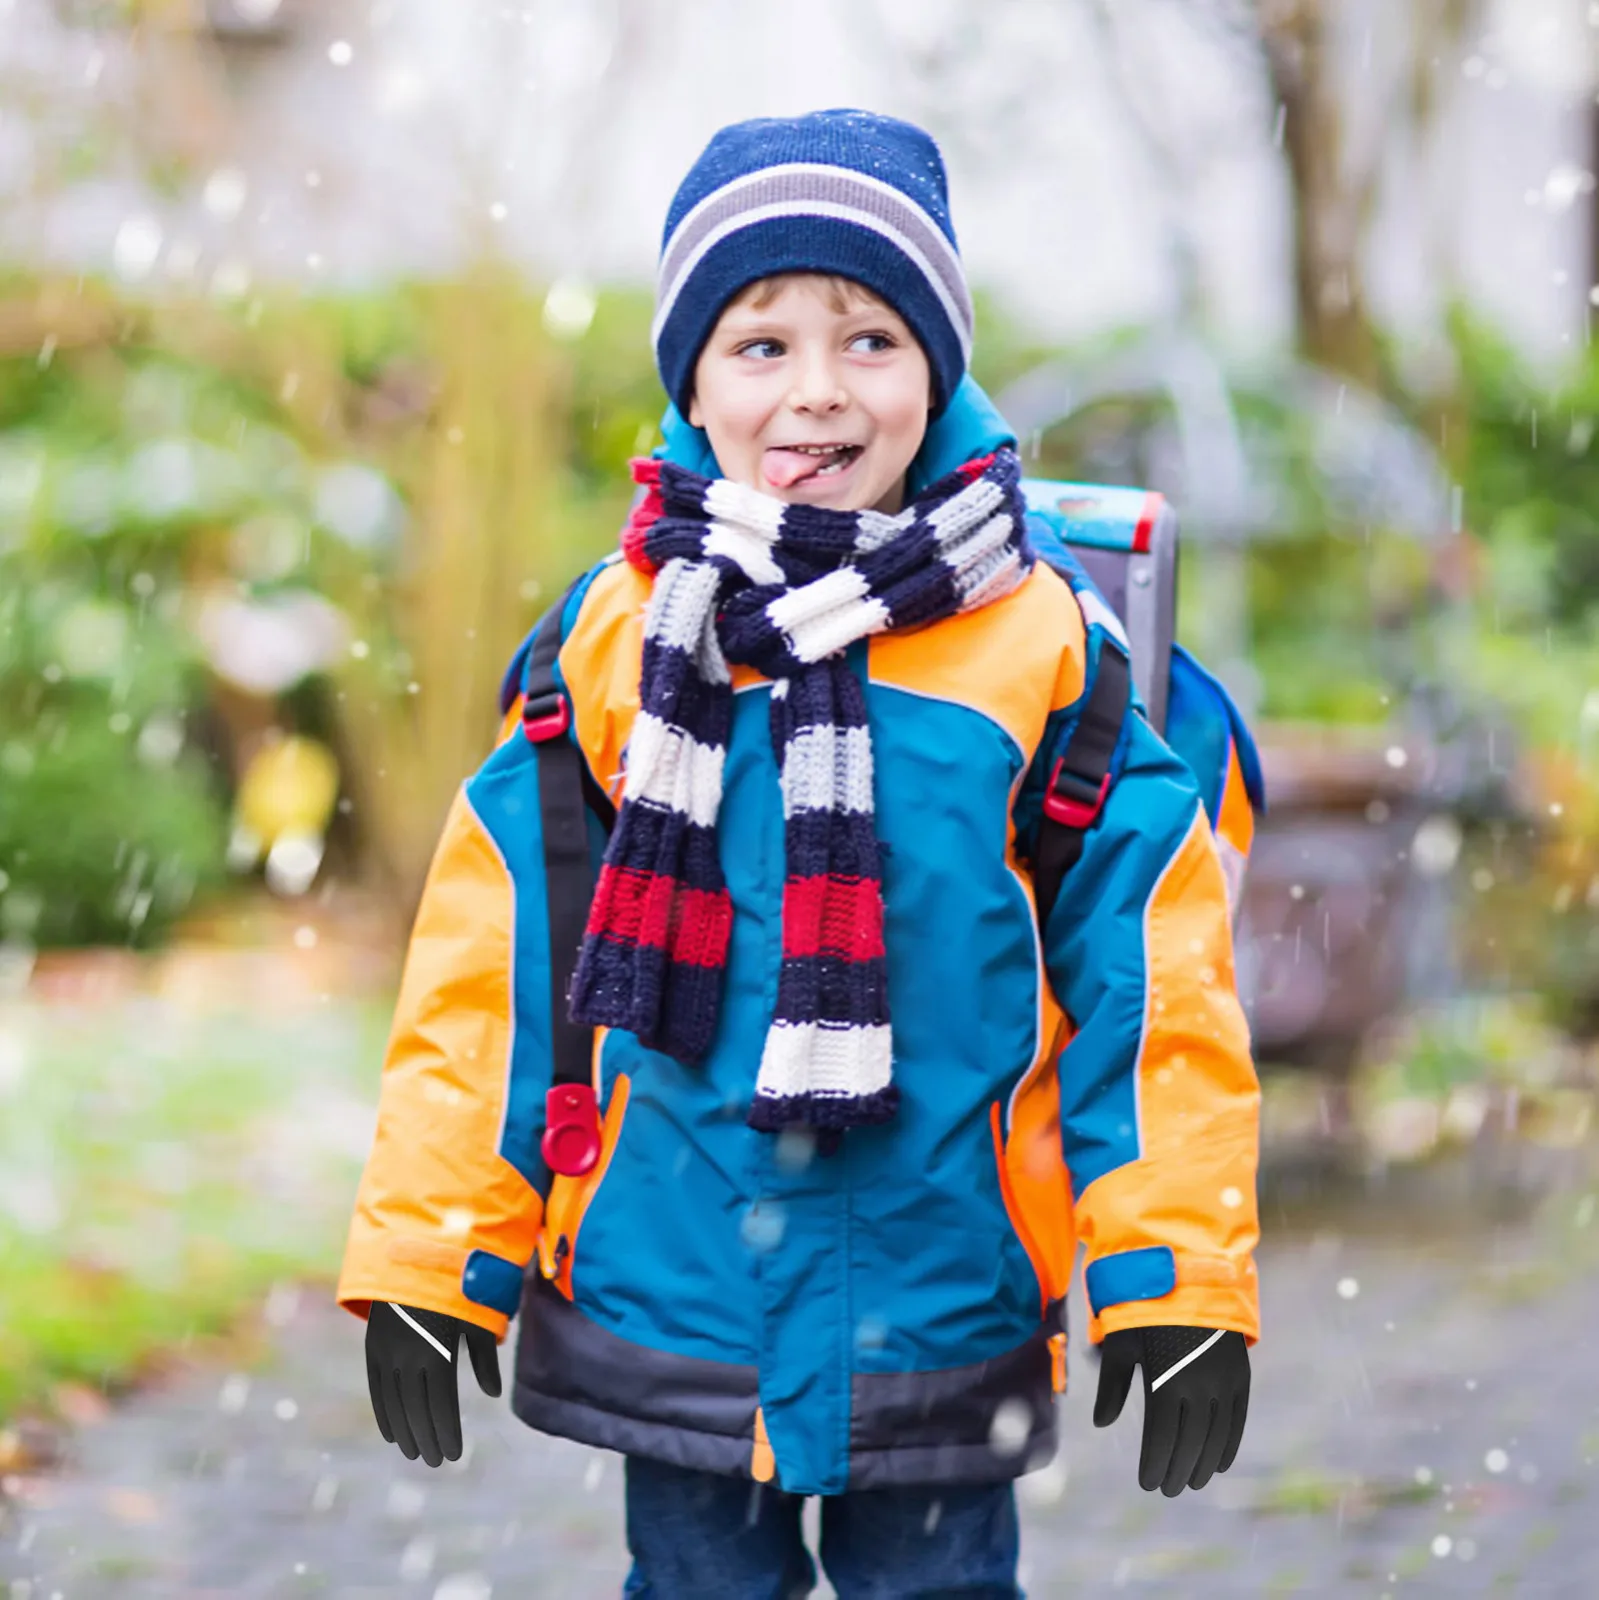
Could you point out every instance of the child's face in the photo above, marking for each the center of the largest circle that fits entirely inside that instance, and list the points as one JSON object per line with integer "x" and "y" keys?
{"x": 806, "y": 361}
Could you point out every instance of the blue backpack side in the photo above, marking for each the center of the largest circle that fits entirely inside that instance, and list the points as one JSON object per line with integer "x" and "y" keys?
{"x": 1117, "y": 548}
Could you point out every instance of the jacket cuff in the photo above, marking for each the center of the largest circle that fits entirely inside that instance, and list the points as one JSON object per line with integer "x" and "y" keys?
{"x": 472, "y": 1285}
{"x": 492, "y": 1281}
{"x": 1129, "y": 1275}
{"x": 1206, "y": 1293}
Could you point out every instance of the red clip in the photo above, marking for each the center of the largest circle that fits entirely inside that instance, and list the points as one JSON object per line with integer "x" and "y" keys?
{"x": 1073, "y": 813}
{"x": 550, "y": 726}
{"x": 571, "y": 1143}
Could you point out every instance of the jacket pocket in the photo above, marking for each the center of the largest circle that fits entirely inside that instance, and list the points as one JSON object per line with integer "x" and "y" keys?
{"x": 570, "y": 1198}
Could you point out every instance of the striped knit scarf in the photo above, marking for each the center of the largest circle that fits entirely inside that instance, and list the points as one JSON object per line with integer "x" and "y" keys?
{"x": 740, "y": 576}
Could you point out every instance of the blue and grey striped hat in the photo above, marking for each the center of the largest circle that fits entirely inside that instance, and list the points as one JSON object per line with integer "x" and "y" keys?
{"x": 845, "y": 192}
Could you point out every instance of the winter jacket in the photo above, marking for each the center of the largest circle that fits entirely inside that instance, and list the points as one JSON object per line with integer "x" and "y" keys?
{"x": 892, "y": 1313}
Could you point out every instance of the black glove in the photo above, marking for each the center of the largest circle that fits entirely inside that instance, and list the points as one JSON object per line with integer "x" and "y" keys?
{"x": 410, "y": 1373}
{"x": 1196, "y": 1396}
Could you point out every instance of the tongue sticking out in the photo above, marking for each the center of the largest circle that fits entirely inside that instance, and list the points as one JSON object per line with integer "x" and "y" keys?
{"x": 785, "y": 468}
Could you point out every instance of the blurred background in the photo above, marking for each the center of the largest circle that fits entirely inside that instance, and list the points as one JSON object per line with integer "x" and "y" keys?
{"x": 323, "y": 348}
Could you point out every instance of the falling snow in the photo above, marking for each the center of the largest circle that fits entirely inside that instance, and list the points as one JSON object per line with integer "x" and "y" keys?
{"x": 1011, "y": 1428}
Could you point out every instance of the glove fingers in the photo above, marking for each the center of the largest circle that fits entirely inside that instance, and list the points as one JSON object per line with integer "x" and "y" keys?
{"x": 414, "y": 1386}
{"x": 1236, "y": 1433}
{"x": 1199, "y": 1417}
{"x": 1163, "y": 1420}
{"x": 1216, "y": 1438}
{"x": 394, "y": 1405}
{"x": 374, "y": 1387}
{"x": 485, "y": 1360}
{"x": 444, "y": 1411}
{"x": 1115, "y": 1380}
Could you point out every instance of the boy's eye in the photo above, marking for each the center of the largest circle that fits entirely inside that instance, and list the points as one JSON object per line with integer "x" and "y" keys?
{"x": 875, "y": 343}
{"x": 762, "y": 349}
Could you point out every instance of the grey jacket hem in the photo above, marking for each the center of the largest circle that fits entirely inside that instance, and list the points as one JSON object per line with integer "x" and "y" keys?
{"x": 988, "y": 1422}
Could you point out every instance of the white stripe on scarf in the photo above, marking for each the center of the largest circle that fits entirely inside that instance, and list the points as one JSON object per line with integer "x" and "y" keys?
{"x": 989, "y": 577}
{"x": 681, "y": 614}
{"x": 827, "y": 768}
{"x": 979, "y": 500}
{"x": 750, "y": 556}
{"x": 668, "y": 767}
{"x": 747, "y": 511}
{"x": 830, "y": 1061}
{"x": 828, "y": 613}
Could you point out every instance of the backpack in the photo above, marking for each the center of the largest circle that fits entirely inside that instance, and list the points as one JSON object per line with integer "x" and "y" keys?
{"x": 1117, "y": 549}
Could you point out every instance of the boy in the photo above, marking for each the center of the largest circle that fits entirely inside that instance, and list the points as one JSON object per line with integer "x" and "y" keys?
{"x": 851, "y": 1100}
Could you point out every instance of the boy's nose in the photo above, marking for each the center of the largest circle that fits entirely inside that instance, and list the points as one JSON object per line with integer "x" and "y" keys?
{"x": 817, "y": 389}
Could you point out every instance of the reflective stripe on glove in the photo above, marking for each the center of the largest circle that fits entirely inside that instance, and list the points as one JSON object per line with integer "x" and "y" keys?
{"x": 1196, "y": 1396}
{"x": 410, "y": 1374}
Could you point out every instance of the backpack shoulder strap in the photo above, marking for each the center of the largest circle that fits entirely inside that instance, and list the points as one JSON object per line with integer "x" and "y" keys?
{"x": 1080, "y": 780}
{"x": 567, "y": 793}
{"x": 546, "y": 706}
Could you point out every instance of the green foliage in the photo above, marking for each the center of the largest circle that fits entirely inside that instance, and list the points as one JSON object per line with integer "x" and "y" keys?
{"x": 1529, "y": 469}
{"x": 614, "y": 396}
{"x": 109, "y": 822}
{"x": 1500, "y": 1039}
{"x": 100, "y": 843}
{"x": 159, "y": 1169}
{"x": 1317, "y": 647}
{"x": 1530, "y": 472}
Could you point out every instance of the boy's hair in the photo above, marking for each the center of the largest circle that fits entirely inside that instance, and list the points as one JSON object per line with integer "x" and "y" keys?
{"x": 842, "y": 293}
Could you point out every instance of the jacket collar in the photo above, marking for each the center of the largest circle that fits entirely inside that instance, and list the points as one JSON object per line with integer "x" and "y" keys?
{"x": 969, "y": 426}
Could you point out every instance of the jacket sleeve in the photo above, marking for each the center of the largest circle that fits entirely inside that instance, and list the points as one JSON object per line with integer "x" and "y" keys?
{"x": 447, "y": 1215}
{"x": 1159, "y": 1098}
{"x": 450, "y": 1205}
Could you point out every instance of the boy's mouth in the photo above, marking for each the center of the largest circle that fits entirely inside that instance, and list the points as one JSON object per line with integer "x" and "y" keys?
{"x": 787, "y": 465}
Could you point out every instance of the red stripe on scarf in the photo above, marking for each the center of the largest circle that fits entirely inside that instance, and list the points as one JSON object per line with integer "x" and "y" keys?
{"x": 654, "y": 910}
{"x": 971, "y": 471}
{"x": 644, "y": 515}
{"x": 826, "y": 916}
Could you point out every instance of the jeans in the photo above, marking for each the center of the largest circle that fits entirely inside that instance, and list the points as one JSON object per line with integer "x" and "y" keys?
{"x": 703, "y": 1536}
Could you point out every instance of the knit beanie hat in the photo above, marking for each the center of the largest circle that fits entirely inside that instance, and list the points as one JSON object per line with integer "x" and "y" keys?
{"x": 845, "y": 192}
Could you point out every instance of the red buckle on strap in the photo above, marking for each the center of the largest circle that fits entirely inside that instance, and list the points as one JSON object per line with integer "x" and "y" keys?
{"x": 550, "y": 726}
{"x": 571, "y": 1143}
{"x": 1073, "y": 813}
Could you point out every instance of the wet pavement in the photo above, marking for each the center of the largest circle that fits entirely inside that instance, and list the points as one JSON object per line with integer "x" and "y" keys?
{"x": 1424, "y": 1420}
